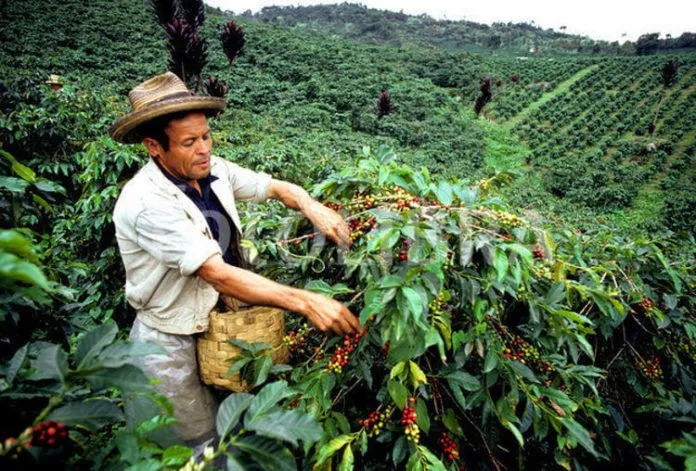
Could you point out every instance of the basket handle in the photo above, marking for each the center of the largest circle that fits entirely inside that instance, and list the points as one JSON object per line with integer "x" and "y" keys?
{"x": 232, "y": 303}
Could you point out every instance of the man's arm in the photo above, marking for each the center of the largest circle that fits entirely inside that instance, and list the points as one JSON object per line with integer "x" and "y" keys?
{"x": 328, "y": 221}
{"x": 324, "y": 313}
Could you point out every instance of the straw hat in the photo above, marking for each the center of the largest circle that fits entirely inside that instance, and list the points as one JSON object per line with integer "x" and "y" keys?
{"x": 54, "y": 79}
{"x": 161, "y": 95}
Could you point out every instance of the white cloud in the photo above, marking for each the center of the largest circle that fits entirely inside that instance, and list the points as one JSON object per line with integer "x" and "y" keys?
{"x": 598, "y": 19}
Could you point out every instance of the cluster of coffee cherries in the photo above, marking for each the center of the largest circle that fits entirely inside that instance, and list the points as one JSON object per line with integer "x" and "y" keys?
{"x": 538, "y": 253}
{"x": 437, "y": 305}
{"x": 49, "y": 434}
{"x": 449, "y": 446}
{"x": 14, "y": 446}
{"x": 449, "y": 263}
{"x": 646, "y": 305}
{"x": 296, "y": 340}
{"x": 524, "y": 352}
{"x": 385, "y": 349}
{"x": 335, "y": 206}
{"x": 342, "y": 354}
{"x": 543, "y": 272}
{"x": 401, "y": 199}
{"x": 195, "y": 464}
{"x": 362, "y": 201}
{"x": 376, "y": 420}
{"x": 318, "y": 354}
{"x": 686, "y": 347}
{"x": 403, "y": 253}
{"x": 484, "y": 184}
{"x": 293, "y": 404}
{"x": 360, "y": 226}
{"x": 506, "y": 220}
{"x": 651, "y": 369}
{"x": 408, "y": 419}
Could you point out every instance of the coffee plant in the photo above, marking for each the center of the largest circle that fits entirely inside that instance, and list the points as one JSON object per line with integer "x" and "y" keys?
{"x": 481, "y": 322}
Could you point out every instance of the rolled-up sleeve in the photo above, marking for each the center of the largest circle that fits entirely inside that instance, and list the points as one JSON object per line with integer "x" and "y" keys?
{"x": 248, "y": 185}
{"x": 172, "y": 238}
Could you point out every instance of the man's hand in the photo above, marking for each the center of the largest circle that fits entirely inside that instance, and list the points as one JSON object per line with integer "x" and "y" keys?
{"x": 324, "y": 313}
{"x": 327, "y": 314}
{"x": 329, "y": 223}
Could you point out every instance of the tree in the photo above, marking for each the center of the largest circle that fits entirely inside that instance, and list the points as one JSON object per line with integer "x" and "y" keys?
{"x": 686, "y": 40}
{"x": 233, "y": 40}
{"x": 495, "y": 41}
{"x": 668, "y": 76}
{"x": 669, "y": 72}
{"x": 165, "y": 10}
{"x": 215, "y": 88}
{"x": 484, "y": 97}
{"x": 647, "y": 44}
{"x": 188, "y": 51}
{"x": 384, "y": 104}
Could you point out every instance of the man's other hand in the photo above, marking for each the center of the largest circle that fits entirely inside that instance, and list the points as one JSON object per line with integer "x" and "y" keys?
{"x": 327, "y": 314}
{"x": 329, "y": 223}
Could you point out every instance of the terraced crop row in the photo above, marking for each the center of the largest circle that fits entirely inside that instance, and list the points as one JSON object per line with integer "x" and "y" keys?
{"x": 614, "y": 130}
{"x": 535, "y": 76}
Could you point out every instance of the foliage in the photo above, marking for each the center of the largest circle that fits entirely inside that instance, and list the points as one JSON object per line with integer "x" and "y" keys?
{"x": 215, "y": 88}
{"x": 289, "y": 94}
{"x": 76, "y": 390}
{"x": 270, "y": 425}
{"x": 254, "y": 363}
{"x": 488, "y": 320}
{"x": 685, "y": 447}
{"x": 25, "y": 289}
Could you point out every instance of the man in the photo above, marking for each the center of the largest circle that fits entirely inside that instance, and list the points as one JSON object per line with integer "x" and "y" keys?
{"x": 177, "y": 229}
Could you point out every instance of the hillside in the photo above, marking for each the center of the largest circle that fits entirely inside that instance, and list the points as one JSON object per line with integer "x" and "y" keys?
{"x": 579, "y": 123}
{"x": 359, "y": 23}
{"x": 598, "y": 128}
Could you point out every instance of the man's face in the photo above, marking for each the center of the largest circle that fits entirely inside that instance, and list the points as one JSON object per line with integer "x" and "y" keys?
{"x": 190, "y": 145}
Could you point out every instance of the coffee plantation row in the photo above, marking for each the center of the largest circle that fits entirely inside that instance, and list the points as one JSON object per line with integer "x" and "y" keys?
{"x": 518, "y": 311}
{"x": 600, "y": 130}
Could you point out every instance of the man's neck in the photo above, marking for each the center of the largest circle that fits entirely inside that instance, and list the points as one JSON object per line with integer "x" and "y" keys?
{"x": 192, "y": 183}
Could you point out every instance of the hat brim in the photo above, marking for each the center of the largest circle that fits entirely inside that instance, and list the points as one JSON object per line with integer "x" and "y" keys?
{"x": 125, "y": 128}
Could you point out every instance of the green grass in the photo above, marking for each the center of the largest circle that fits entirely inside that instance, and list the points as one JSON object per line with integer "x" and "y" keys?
{"x": 645, "y": 212}
{"x": 504, "y": 152}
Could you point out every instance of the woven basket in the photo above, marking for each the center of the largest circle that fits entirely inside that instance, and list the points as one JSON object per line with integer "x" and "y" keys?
{"x": 251, "y": 324}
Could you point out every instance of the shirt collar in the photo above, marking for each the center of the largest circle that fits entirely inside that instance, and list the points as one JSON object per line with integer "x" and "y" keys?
{"x": 181, "y": 184}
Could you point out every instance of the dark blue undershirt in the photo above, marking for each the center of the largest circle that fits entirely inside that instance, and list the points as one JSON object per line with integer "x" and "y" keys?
{"x": 220, "y": 223}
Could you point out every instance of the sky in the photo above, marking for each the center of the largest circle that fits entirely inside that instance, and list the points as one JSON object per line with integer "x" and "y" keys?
{"x": 598, "y": 19}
